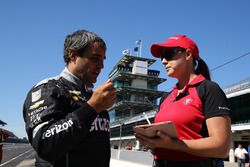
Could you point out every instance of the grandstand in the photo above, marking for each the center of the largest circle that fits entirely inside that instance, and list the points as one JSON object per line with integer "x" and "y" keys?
{"x": 12, "y": 137}
{"x": 2, "y": 123}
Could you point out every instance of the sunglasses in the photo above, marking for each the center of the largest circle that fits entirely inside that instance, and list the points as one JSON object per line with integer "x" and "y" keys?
{"x": 169, "y": 54}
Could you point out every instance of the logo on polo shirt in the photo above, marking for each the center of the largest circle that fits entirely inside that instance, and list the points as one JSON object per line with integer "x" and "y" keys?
{"x": 187, "y": 101}
{"x": 223, "y": 108}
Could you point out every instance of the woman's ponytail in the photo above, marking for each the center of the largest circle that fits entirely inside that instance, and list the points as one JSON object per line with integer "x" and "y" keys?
{"x": 202, "y": 68}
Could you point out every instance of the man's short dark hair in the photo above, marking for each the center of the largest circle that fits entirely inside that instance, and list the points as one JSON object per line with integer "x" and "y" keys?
{"x": 79, "y": 41}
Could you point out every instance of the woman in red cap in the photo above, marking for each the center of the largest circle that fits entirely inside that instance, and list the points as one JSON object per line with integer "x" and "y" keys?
{"x": 196, "y": 105}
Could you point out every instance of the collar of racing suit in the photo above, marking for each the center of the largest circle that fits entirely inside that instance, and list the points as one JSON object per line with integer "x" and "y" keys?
{"x": 74, "y": 79}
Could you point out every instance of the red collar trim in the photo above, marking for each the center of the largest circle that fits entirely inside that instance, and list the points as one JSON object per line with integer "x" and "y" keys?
{"x": 196, "y": 80}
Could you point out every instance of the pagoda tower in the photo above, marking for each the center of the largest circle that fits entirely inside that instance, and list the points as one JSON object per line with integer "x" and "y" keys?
{"x": 137, "y": 96}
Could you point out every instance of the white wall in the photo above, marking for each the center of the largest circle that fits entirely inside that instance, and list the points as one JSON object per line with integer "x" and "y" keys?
{"x": 140, "y": 67}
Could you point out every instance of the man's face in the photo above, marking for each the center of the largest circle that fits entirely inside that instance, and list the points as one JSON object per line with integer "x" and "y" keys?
{"x": 89, "y": 65}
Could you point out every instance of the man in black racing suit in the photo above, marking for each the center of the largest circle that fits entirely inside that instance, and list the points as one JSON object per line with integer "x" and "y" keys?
{"x": 66, "y": 122}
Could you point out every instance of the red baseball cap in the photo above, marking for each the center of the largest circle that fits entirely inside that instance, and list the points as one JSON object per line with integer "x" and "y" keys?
{"x": 176, "y": 41}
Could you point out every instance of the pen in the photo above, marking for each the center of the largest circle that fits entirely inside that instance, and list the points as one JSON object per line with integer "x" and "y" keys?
{"x": 146, "y": 118}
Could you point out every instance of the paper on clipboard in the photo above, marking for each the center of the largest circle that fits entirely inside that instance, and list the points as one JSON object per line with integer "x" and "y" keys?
{"x": 150, "y": 130}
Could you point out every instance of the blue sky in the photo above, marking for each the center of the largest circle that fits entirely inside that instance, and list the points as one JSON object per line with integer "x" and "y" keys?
{"x": 32, "y": 34}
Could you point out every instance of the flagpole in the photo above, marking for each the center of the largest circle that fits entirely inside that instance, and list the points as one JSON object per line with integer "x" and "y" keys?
{"x": 140, "y": 48}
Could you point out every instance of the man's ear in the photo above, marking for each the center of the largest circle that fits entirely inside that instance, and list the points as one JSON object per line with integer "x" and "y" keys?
{"x": 72, "y": 55}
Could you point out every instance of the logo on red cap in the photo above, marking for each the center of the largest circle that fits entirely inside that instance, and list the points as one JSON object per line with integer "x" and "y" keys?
{"x": 174, "y": 38}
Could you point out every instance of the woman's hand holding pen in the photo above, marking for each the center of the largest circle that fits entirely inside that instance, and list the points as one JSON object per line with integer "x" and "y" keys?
{"x": 103, "y": 97}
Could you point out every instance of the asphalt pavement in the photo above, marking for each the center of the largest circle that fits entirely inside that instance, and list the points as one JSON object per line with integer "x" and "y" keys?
{"x": 21, "y": 155}
{"x": 120, "y": 163}
{"x": 113, "y": 163}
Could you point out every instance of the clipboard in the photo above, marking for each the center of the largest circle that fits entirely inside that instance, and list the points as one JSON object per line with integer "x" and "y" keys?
{"x": 150, "y": 130}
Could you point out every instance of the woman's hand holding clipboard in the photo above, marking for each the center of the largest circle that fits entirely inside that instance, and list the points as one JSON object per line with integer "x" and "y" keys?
{"x": 150, "y": 130}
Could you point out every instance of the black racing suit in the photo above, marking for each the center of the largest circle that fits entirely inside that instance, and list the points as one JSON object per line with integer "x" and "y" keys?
{"x": 62, "y": 127}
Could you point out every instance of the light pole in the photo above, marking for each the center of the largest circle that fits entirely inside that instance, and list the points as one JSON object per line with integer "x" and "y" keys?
{"x": 120, "y": 142}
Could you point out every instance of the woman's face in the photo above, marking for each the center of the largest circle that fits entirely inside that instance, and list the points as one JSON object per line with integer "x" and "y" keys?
{"x": 174, "y": 61}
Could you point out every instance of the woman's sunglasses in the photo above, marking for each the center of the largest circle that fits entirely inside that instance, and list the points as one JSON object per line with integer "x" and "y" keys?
{"x": 169, "y": 53}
